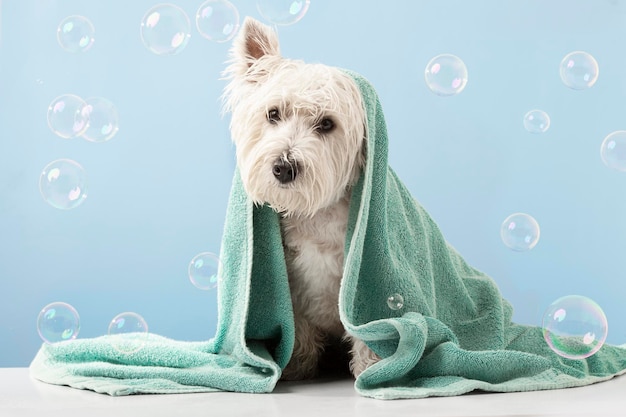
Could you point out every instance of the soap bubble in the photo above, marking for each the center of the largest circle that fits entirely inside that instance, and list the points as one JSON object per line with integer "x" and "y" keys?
{"x": 58, "y": 322}
{"x": 613, "y": 150}
{"x": 75, "y": 34}
{"x": 574, "y": 327}
{"x": 203, "y": 270}
{"x": 63, "y": 184}
{"x": 395, "y": 301}
{"x": 283, "y": 12}
{"x": 536, "y": 121}
{"x": 520, "y": 232}
{"x": 165, "y": 29}
{"x": 67, "y": 117}
{"x": 128, "y": 332}
{"x": 579, "y": 70}
{"x": 103, "y": 119}
{"x": 217, "y": 20}
{"x": 446, "y": 75}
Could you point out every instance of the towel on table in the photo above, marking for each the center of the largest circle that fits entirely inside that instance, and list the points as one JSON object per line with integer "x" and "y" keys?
{"x": 453, "y": 333}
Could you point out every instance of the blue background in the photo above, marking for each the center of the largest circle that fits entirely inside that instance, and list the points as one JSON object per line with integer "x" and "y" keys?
{"x": 158, "y": 190}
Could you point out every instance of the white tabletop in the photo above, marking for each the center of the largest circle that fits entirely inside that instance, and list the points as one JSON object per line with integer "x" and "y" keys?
{"x": 22, "y": 396}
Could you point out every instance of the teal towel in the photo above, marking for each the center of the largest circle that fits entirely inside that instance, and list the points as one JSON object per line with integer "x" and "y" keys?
{"x": 452, "y": 335}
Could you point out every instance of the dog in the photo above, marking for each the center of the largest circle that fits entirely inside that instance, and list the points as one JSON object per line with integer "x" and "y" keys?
{"x": 299, "y": 133}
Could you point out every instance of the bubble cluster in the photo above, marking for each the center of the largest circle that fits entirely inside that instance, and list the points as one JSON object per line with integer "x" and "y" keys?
{"x": 63, "y": 184}
{"x": 579, "y": 70}
{"x": 217, "y": 20}
{"x": 76, "y": 34}
{"x": 395, "y": 301}
{"x": 67, "y": 117}
{"x": 446, "y": 75}
{"x": 58, "y": 322}
{"x": 128, "y": 332}
{"x": 103, "y": 119}
{"x": 575, "y": 327}
{"x": 520, "y": 232}
{"x": 536, "y": 121}
{"x": 613, "y": 150}
{"x": 165, "y": 29}
{"x": 203, "y": 270}
{"x": 282, "y": 12}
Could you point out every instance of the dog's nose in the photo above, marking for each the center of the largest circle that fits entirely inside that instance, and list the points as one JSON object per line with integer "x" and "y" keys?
{"x": 285, "y": 171}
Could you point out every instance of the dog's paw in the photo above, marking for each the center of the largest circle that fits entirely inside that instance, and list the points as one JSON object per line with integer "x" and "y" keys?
{"x": 296, "y": 371}
{"x": 362, "y": 357}
{"x": 358, "y": 365}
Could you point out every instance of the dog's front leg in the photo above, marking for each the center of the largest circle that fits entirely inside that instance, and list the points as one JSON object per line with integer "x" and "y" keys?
{"x": 308, "y": 346}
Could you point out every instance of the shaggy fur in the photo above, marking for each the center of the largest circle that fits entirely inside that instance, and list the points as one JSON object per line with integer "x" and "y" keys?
{"x": 299, "y": 132}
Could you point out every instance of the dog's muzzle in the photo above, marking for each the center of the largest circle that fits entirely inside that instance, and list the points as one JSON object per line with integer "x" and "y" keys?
{"x": 285, "y": 170}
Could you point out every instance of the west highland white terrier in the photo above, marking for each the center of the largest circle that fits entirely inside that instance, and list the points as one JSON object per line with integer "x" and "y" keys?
{"x": 299, "y": 133}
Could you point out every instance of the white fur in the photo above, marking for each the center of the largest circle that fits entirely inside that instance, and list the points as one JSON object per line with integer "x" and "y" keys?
{"x": 323, "y": 165}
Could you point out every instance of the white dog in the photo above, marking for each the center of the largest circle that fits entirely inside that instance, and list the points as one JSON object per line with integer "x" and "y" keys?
{"x": 299, "y": 131}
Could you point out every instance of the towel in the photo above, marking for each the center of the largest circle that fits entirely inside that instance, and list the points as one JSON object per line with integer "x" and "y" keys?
{"x": 451, "y": 334}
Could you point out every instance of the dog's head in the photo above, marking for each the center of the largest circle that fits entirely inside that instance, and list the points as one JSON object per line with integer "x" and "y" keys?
{"x": 298, "y": 128}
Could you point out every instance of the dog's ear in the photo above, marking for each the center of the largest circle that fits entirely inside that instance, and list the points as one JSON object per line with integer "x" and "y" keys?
{"x": 254, "y": 41}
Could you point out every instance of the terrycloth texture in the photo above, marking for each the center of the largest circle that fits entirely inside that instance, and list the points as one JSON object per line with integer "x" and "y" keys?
{"x": 453, "y": 334}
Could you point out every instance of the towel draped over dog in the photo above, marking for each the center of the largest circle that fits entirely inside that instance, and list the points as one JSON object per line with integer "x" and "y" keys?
{"x": 451, "y": 335}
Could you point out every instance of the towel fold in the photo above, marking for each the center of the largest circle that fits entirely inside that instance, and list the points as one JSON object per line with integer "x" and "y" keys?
{"x": 451, "y": 334}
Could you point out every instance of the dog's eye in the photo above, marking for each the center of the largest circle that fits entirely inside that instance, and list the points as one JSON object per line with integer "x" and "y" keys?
{"x": 273, "y": 116}
{"x": 326, "y": 125}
